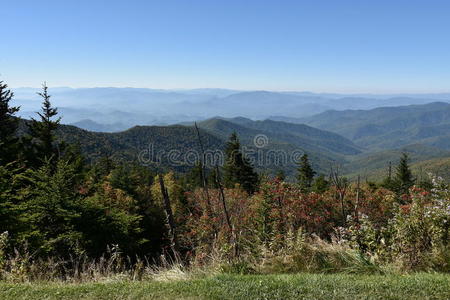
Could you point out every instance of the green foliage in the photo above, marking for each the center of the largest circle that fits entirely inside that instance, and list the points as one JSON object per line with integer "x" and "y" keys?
{"x": 423, "y": 230}
{"x": 40, "y": 144}
{"x": 3, "y": 250}
{"x": 8, "y": 126}
{"x": 237, "y": 168}
{"x": 194, "y": 177}
{"x": 10, "y": 176}
{"x": 320, "y": 184}
{"x": 403, "y": 179}
{"x": 414, "y": 236}
{"x": 239, "y": 267}
{"x": 49, "y": 203}
{"x": 306, "y": 174}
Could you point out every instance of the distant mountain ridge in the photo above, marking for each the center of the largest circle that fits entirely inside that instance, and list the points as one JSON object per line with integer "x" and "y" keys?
{"x": 142, "y": 106}
{"x": 325, "y": 148}
{"x": 130, "y": 144}
{"x": 90, "y": 125}
{"x": 389, "y": 127}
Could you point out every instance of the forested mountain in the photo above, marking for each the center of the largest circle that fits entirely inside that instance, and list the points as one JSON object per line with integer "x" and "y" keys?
{"x": 374, "y": 165}
{"x": 302, "y": 136}
{"x": 148, "y": 145}
{"x": 284, "y": 141}
{"x": 390, "y": 127}
{"x": 325, "y": 148}
{"x": 360, "y": 141}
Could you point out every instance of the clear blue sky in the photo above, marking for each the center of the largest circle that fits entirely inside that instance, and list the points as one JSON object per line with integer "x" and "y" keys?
{"x": 331, "y": 46}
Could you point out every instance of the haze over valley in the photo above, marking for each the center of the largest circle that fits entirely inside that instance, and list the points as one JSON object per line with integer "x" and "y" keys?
{"x": 115, "y": 109}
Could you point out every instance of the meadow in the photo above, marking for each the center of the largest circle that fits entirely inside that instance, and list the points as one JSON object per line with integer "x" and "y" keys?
{"x": 298, "y": 286}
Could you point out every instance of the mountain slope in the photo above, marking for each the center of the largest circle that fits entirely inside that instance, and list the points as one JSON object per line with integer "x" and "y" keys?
{"x": 299, "y": 135}
{"x": 302, "y": 135}
{"x": 176, "y": 147}
{"x": 157, "y": 146}
{"x": 324, "y": 148}
{"x": 390, "y": 127}
{"x": 171, "y": 144}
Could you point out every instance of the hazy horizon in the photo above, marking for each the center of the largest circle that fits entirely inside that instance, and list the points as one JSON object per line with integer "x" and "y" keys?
{"x": 379, "y": 93}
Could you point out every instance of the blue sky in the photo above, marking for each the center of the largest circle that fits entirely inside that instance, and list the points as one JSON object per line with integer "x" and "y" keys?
{"x": 323, "y": 46}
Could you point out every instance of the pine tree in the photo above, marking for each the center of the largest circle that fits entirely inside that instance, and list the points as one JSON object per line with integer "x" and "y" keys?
{"x": 8, "y": 126}
{"x": 50, "y": 207}
{"x": 237, "y": 168}
{"x": 42, "y": 133}
{"x": 320, "y": 184}
{"x": 194, "y": 178}
{"x": 306, "y": 173}
{"x": 404, "y": 179}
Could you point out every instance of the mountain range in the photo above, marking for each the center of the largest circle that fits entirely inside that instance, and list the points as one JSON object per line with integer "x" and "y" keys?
{"x": 177, "y": 146}
{"x": 349, "y": 131}
{"x": 389, "y": 127}
{"x": 115, "y": 109}
{"x": 326, "y": 149}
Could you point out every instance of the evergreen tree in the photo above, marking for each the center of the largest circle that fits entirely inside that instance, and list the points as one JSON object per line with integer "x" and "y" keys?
{"x": 237, "y": 168}
{"x": 212, "y": 176}
{"x": 50, "y": 206}
{"x": 194, "y": 178}
{"x": 42, "y": 133}
{"x": 306, "y": 173}
{"x": 404, "y": 179}
{"x": 320, "y": 184}
{"x": 8, "y": 126}
{"x": 9, "y": 179}
{"x": 388, "y": 182}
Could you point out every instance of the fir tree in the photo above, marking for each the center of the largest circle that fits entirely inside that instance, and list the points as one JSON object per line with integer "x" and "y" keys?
{"x": 194, "y": 178}
{"x": 42, "y": 133}
{"x": 8, "y": 126}
{"x": 237, "y": 168}
{"x": 306, "y": 174}
{"x": 404, "y": 179}
{"x": 388, "y": 182}
{"x": 50, "y": 207}
{"x": 320, "y": 184}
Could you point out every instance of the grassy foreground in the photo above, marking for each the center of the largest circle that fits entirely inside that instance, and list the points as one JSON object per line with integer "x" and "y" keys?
{"x": 299, "y": 286}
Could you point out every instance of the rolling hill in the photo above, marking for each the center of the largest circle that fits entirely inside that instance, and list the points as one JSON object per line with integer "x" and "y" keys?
{"x": 324, "y": 148}
{"x": 285, "y": 143}
{"x": 389, "y": 127}
{"x": 374, "y": 165}
{"x": 360, "y": 142}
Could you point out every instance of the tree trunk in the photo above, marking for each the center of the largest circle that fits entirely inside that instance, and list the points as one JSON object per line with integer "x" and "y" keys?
{"x": 170, "y": 222}
{"x": 202, "y": 162}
